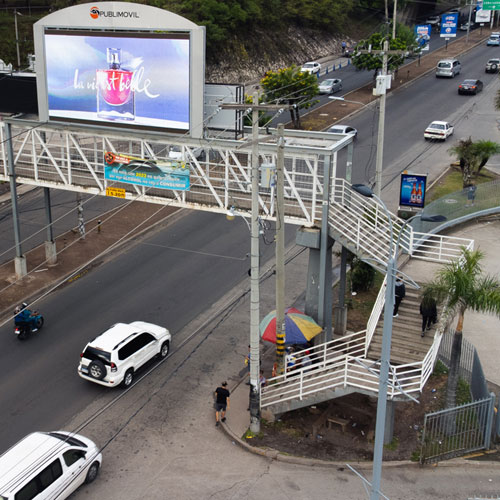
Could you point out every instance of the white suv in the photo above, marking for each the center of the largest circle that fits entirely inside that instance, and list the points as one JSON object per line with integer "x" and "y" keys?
{"x": 113, "y": 357}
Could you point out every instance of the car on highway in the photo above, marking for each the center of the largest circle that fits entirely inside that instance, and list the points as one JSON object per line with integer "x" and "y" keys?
{"x": 438, "y": 130}
{"x": 343, "y": 129}
{"x": 48, "y": 465}
{"x": 493, "y": 40}
{"x": 467, "y": 27}
{"x": 311, "y": 67}
{"x": 114, "y": 357}
{"x": 470, "y": 87}
{"x": 330, "y": 86}
{"x": 448, "y": 68}
{"x": 433, "y": 20}
{"x": 492, "y": 65}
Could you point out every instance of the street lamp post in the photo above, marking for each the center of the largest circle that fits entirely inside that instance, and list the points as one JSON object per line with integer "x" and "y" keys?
{"x": 386, "y": 335}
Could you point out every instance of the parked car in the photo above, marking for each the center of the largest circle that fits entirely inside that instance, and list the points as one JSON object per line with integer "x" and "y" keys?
{"x": 311, "y": 67}
{"x": 448, "y": 68}
{"x": 493, "y": 40}
{"x": 492, "y": 65}
{"x": 330, "y": 86}
{"x": 470, "y": 87}
{"x": 114, "y": 357}
{"x": 48, "y": 465}
{"x": 343, "y": 129}
{"x": 438, "y": 130}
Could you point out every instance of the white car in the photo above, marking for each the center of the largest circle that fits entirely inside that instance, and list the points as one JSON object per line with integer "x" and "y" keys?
{"x": 343, "y": 129}
{"x": 48, "y": 465}
{"x": 311, "y": 67}
{"x": 114, "y": 357}
{"x": 438, "y": 130}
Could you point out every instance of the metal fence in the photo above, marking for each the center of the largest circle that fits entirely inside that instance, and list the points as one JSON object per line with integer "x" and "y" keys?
{"x": 470, "y": 368}
{"x": 456, "y": 431}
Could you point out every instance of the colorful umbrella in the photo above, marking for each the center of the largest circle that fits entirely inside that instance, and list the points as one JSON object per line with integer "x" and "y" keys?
{"x": 299, "y": 328}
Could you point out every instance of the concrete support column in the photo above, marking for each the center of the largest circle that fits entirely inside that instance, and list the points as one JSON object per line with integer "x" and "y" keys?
{"x": 340, "y": 316}
{"x": 310, "y": 238}
{"x": 50, "y": 244}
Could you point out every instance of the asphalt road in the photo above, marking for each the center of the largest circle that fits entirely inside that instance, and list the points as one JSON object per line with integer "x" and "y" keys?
{"x": 168, "y": 278}
{"x": 409, "y": 111}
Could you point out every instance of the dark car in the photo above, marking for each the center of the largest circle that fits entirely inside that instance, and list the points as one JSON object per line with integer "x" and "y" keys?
{"x": 470, "y": 87}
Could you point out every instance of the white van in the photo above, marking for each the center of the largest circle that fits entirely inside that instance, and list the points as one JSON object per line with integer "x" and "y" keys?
{"x": 48, "y": 465}
{"x": 448, "y": 68}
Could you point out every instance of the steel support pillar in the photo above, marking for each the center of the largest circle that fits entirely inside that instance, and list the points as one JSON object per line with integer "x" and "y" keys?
{"x": 19, "y": 260}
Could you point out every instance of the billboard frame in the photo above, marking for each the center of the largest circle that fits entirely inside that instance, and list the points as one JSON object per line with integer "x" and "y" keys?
{"x": 123, "y": 17}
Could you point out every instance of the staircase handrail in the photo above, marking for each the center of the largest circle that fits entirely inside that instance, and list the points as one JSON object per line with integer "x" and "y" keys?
{"x": 374, "y": 318}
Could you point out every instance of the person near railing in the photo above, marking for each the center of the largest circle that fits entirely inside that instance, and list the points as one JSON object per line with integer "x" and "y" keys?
{"x": 428, "y": 310}
{"x": 399, "y": 295}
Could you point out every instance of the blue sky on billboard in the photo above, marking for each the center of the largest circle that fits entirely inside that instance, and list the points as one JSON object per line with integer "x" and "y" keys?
{"x": 152, "y": 71}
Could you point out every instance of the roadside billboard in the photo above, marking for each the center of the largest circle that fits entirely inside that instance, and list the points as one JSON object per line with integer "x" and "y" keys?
{"x": 482, "y": 15}
{"x": 449, "y": 25}
{"x": 121, "y": 64}
{"x": 423, "y": 35}
{"x": 491, "y": 4}
{"x": 170, "y": 174}
{"x": 412, "y": 190}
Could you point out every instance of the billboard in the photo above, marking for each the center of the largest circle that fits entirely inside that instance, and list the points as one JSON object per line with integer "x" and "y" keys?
{"x": 170, "y": 174}
{"x": 412, "y": 190}
{"x": 423, "y": 35}
{"x": 121, "y": 64}
{"x": 141, "y": 80}
{"x": 482, "y": 15}
{"x": 449, "y": 25}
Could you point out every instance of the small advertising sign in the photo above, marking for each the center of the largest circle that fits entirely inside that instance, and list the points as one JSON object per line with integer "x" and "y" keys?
{"x": 170, "y": 174}
{"x": 423, "y": 35}
{"x": 412, "y": 192}
{"x": 449, "y": 25}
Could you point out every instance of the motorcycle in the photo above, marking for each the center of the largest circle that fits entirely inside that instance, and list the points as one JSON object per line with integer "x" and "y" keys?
{"x": 23, "y": 330}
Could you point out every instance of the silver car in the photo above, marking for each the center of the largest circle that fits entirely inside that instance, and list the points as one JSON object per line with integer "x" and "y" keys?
{"x": 330, "y": 86}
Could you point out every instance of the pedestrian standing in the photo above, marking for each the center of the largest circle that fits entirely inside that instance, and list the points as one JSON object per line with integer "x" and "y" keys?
{"x": 344, "y": 45}
{"x": 221, "y": 403}
{"x": 262, "y": 379}
{"x": 428, "y": 310}
{"x": 471, "y": 195}
{"x": 399, "y": 295}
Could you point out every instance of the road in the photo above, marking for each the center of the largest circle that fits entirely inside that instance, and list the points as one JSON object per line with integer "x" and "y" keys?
{"x": 172, "y": 278}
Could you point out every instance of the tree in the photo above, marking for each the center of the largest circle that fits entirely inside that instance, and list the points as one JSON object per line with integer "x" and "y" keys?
{"x": 462, "y": 284}
{"x": 376, "y": 42}
{"x": 293, "y": 87}
{"x": 472, "y": 157}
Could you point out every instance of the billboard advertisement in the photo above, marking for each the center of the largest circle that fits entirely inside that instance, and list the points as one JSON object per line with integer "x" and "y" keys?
{"x": 141, "y": 80}
{"x": 121, "y": 64}
{"x": 423, "y": 35}
{"x": 169, "y": 174}
{"x": 412, "y": 190}
{"x": 482, "y": 15}
{"x": 449, "y": 25}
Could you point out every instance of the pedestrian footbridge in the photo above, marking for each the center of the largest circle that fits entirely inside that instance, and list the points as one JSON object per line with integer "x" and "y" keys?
{"x": 71, "y": 157}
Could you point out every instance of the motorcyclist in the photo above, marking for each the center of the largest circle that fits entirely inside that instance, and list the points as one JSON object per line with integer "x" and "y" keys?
{"x": 24, "y": 317}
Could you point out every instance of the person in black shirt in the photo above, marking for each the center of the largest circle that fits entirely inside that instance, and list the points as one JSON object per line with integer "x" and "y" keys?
{"x": 221, "y": 403}
{"x": 399, "y": 295}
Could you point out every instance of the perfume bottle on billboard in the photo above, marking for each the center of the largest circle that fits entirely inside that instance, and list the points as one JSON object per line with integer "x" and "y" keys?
{"x": 115, "y": 95}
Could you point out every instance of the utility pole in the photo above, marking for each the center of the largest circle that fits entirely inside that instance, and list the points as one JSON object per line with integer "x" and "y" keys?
{"x": 280, "y": 251}
{"x": 17, "y": 39}
{"x": 255, "y": 107}
{"x": 394, "y": 20}
{"x": 382, "y": 85}
{"x": 468, "y": 24}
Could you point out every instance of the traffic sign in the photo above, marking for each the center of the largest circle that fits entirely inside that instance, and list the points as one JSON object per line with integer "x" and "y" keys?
{"x": 491, "y": 4}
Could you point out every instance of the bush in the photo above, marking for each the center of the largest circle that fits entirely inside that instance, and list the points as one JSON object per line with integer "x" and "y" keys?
{"x": 362, "y": 276}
